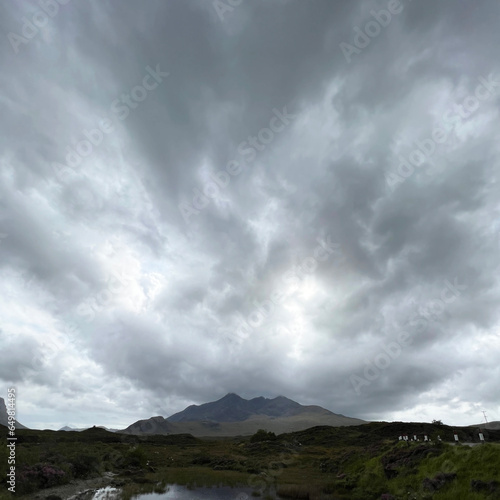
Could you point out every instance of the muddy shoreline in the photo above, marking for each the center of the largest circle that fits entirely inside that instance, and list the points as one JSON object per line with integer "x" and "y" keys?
{"x": 82, "y": 489}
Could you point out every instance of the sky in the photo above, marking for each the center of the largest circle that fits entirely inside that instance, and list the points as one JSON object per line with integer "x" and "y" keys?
{"x": 279, "y": 197}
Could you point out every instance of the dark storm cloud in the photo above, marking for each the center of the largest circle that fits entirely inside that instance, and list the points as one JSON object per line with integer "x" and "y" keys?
{"x": 102, "y": 149}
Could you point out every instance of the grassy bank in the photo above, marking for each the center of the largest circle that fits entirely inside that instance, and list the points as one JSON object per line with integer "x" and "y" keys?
{"x": 363, "y": 462}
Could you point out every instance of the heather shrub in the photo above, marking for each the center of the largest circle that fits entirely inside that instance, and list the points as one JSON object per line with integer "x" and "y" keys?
{"x": 34, "y": 477}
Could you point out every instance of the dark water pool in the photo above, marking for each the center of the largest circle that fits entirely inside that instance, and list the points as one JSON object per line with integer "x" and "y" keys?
{"x": 182, "y": 493}
{"x": 176, "y": 492}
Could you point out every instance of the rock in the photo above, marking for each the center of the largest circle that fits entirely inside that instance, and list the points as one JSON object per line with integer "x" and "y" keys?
{"x": 478, "y": 485}
{"x": 438, "y": 481}
{"x": 396, "y": 459}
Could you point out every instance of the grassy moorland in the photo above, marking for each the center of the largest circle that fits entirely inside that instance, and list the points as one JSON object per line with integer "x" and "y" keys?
{"x": 361, "y": 462}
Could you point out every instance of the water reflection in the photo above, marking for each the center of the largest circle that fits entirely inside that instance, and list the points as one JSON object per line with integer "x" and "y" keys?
{"x": 107, "y": 493}
{"x": 177, "y": 492}
{"x": 183, "y": 493}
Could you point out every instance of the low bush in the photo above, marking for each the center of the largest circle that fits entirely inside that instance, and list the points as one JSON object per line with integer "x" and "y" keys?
{"x": 136, "y": 457}
{"x": 84, "y": 465}
{"x": 262, "y": 435}
{"x": 34, "y": 477}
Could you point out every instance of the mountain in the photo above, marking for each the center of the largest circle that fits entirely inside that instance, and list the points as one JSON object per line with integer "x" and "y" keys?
{"x": 4, "y": 418}
{"x": 232, "y": 415}
{"x": 67, "y": 428}
{"x": 233, "y": 408}
{"x": 153, "y": 425}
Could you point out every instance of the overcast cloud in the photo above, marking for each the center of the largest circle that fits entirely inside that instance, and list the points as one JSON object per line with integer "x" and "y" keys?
{"x": 262, "y": 197}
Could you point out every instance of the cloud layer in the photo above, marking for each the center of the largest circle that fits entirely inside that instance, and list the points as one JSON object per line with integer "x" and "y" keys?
{"x": 279, "y": 197}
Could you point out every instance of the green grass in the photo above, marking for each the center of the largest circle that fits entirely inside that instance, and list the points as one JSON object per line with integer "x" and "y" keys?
{"x": 361, "y": 462}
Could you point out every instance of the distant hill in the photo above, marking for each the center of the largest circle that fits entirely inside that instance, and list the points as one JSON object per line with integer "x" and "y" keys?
{"x": 69, "y": 429}
{"x": 4, "y": 416}
{"x": 153, "y": 425}
{"x": 232, "y": 415}
{"x": 489, "y": 425}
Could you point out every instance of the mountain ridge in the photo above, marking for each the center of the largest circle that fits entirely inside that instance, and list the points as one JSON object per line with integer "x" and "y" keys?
{"x": 232, "y": 407}
{"x": 233, "y": 415}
